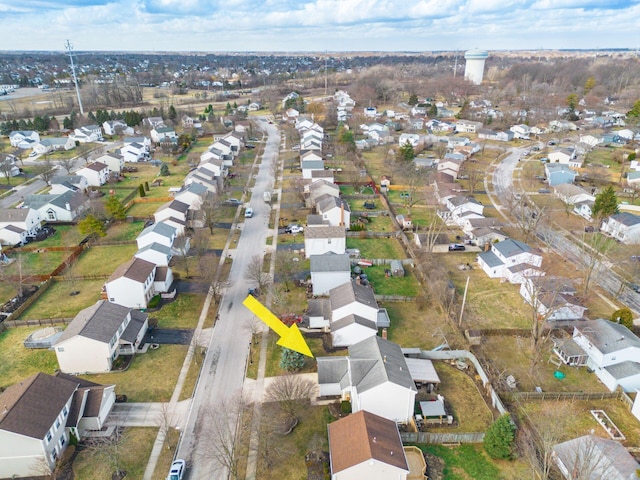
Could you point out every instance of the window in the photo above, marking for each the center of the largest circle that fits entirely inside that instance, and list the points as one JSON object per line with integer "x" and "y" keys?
{"x": 48, "y": 436}
{"x": 51, "y": 215}
{"x": 65, "y": 411}
{"x": 57, "y": 423}
{"x": 62, "y": 441}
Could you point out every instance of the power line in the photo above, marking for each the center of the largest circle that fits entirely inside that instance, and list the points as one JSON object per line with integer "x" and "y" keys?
{"x": 69, "y": 48}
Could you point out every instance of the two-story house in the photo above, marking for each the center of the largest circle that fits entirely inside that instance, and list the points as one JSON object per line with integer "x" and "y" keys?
{"x": 622, "y": 226}
{"x": 354, "y": 313}
{"x": 114, "y": 161}
{"x": 16, "y": 224}
{"x": 23, "y": 138}
{"x": 510, "y": 259}
{"x": 158, "y": 232}
{"x": 132, "y": 283}
{"x": 98, "y": 335}
{"x": 323, "y": 239}
{"x": 96, "y": 173}
{"x": 329, "y": 271}
{"x": 335, "y": 211}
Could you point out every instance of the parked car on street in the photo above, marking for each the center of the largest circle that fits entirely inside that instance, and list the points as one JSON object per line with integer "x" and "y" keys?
{"x": 248, "y": 213}
{"x": 176, "y": 472}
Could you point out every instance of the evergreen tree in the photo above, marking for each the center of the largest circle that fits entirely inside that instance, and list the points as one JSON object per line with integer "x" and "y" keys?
{"x": 291, "y": 361}
{"x": 141, "y": 191}
{"x": 413, "y": 99}
{"x": 172, "y": 113}
{"x": 433, "y": 111}
{"x": 406, "y": 152}
{"x": 499, "y": 438}
{"x": 606, "y": 204}
{"x": 635, "y": 110}
{"x": 624, "y": 316}
{"x": 90, "y": 225}
{"x": 164, "y": 171}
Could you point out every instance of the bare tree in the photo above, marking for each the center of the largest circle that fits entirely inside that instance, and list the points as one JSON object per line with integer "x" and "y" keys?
{"x": 292, "y": 393}
{"x": 165, "y": 419}
{"x": 45, "y": 169}
{"x": 182, "y": 245}
{"x": 475, "y": 177}
{"x": 210, "y": 210}
{"x": 221, "y": 438}
{"x": 594, "y": 248}
{"x": 255, "y": 275}
{"x": 109, "y": 450}
{"x": 286, "y": 267}
{"x": 68, "y": 163}
{"x": 6, "y": 167}
{"x": 435, "y": 226}
{"x": 589, "y": 457}
{"x": 527, "y": 218}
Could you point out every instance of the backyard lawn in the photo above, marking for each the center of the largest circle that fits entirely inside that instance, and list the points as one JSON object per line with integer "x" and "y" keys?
{"x": 144, "y": 209}
{"x": 56, "y": 301}
{"x": 377, "y": 247}
{"x": 18, "y": 362}
{"x": 124, "y": 231}
{"x": 142, "y": 382}
{"x": 35, "y": 262}
{"x": 92, "y": 260}
{"x": 133, "y": 450}
{"x": 382, "y": 285}
{"x": 65, "y": 236}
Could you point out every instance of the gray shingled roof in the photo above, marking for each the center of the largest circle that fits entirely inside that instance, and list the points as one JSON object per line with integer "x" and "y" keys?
{"x": 325, "y": 232}
{"x": 330, "y": 262}
{"x": 490, "y": 259}
{"x": 510, "y": 247}
{"x": 130, "y": 333}
{"x": 626, "y": 218}
{"x": 352, "y": 319}
{"x": 13, "y": 214}
{"x": 608, "y": 336}
{"x": 332, "y": 369}
{"x": 330, "y": 202}
{"x": 159, "y": 228}
{"x": 351, "y": 292}
{"x": 97, "y": 322}
{"x": 623, "y": 369}
{"x": 376, "y": 361}
{"x": 136, "y": 269}
{"x": 157, "y": 247}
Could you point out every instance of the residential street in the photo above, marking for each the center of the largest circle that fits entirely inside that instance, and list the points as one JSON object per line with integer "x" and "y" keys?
{"x": 560, "y": 240}
{"x": 223, "y": 371}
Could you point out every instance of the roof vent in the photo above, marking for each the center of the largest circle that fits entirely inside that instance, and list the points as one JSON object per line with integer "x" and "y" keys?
{"x": 391, "y": 453}
{"x": 375, "y": 439}
{"x": 384, "y": 359}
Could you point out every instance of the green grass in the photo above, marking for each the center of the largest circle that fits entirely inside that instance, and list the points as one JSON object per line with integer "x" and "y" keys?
{"x": 92, "y": 260}
{"x": 143, "y": 382}
{"x": 7, "y": 291}
{"x": 35, "y": 263}
{"x": 351, "y": 190}
{"x": 464, "y": 462}
{"x": 57, "y": 303}
{"x": 65, "y": 236}
{"x": 120, "y": 193}
{"x": 134, "y": 450}
{"x": 383, "y": 285}
{"x": 377, "y": 247}
{"x": 143, "y": 210}
{"x": 124, "y": 231}
{"x": 181, "y": 313}
{"x": 18, "y": 362}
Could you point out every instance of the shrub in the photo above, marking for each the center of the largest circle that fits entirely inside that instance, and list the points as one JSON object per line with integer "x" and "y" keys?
{"x": 624, "y": 316}
{"x": 345, "y": 407}
{"x": 291, "y": 360}
{"x": 499, "y": 438}
{"x": 154, "y": 302}
{"x": 141, "y": 190}
{"x": 146, "y": 186}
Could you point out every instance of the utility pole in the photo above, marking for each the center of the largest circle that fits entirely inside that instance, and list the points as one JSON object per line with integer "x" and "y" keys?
{"x": 326, "y": 58}
{"x": 464, "y": 300}
{"x": 455, "y": 66}
{"x": 69, "y": 48}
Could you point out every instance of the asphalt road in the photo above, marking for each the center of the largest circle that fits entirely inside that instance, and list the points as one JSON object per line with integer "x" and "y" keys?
{"x": 561, "y": 240}
{"x": 223, "y": 371}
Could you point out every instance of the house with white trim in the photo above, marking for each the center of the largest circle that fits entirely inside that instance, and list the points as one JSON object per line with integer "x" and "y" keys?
{"x": 512, "y": 260}
{"x": 23, "y": 138}
{"x": 623, "y": 226}
{"x": 553, "y": 298}
{"x": 329, "y": 271}
{"x": 61, "y": 207}
{"x": 117, "y": 127}
{"x": 324, "y": 239}
{"x": 98, "y": 335}
{"x": 131, "y": 284}
{"x": 64, "y": 183}
{"x": 159, "y": 233}
{"x": 335, "y": 211}
{"x": 114, "y": 161}
{"x": 354, "y": 313}
{"x": 16, "y": 224}
{"x": 96, "y": 173}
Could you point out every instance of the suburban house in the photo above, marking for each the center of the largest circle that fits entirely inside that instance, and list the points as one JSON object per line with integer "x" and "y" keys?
{"x": 193, "y": 195}
{"x": 510, "y": 259}
{"x": 16, "y": 224}
{"x": 334, "y": 210}
{"x": 133, "y": 152}
{"x": 374, "y": 377}
{"x": 451, "y": 164}
{"x": 487, "y": 134}
{"x": 131, "y": 284}
{"x": 61, "y": 207}
{"x": 87, "y": 134}
{"x": 622, "y": 226}
{"x": 461, "y": 207}
{"x": 114, "y": 161}
{"x": 117, "y": 127}
{"x": 96, "y": 173}
{"x": 326, "y": 175}
{"x": 594, "y": 458}
{"x": 412, "y": 139}
{"x": 633, "y": 178}
{"x": 467, "y": 126}
{"x": 558, "y": 173}
{"x": 521, "y": 131}
{"x": 354, "y": 313}
{"x": 40, "y": 413}
{"x": 572, "y": 194}
{"x": 8, "y": 166}
{"x": 324, "y": 239}
{"x": 175, "y": 213}
{"x": 565, "y": 156}
{"x": 319, "y": 190}
{"x": 64, "y": 183}
{"x": 308, "y": 166}
{"x": 329, "y": 271}
{"x": 160, "y": 255}
{"x": 23, "y": 139}
{"x": 152, "y": 122}
{"x": 612, "y": 352}
{"x": 365, "y": 445}
{"x": 584, "y": 209}
{"x": 553, "y": 298}
{"x": 159, "y": 233}
{"x": 162, "y": 134}
{"x": 47, "y": 145}
{"x": 98, "y": 335}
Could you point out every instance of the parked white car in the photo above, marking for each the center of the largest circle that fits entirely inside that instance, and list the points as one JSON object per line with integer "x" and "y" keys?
{"x": 176, "y": 472}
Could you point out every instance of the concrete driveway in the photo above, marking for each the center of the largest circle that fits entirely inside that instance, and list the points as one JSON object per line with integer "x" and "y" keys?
{"x": 148, "y": 414}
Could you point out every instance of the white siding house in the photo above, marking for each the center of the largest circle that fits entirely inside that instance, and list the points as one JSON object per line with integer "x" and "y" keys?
{"x": 325, "y": 239}
{"x": 510, "y": 259}
{"x": 623, "y": 226}
{"x": 96, "y": 173}
{"x": 329, "y": 271}
{"x": 131, "y": 284}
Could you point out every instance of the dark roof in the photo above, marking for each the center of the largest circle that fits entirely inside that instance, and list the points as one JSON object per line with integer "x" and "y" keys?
{"x": 461, "y": 200}
{"x": 96, "y": 166}
{"x": 159, "y": 228}
{"x": 87, "y": 400}
{"x": 138, "y": 319}
{"x": 31, "y": 406}
{"x": 319, "y": 307}
{"x": 330, "y": 202}
{"x": 510, "y": 247}
{"x": 135, "y": 269}
{"x": 332, "y": 369}
{"x": 626, "y": 218}
{"x": 352, "y": 319}
{"x": 364, "y": 436}
{"x": 99, "y": 322}
{"x": 313, "y": 220}
{"x": 608, "y": 336}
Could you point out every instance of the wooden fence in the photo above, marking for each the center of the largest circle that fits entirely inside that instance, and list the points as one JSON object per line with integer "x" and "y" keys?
{"x": 43, "y": 322}
{"x": 557, "y": 396}
{"x": 395, "y": 298}
{"x": 365, "y": 234}
{"x": 507, "y": 332}
{"x": 29, "y": 301}
{"x": 440, "y": 438}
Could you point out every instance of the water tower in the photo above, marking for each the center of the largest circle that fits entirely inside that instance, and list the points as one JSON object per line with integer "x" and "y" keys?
{"x": 474, "y": 68}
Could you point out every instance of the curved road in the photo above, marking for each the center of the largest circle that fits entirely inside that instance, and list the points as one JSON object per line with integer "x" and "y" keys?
{"x": 223, "y": 371}
{"x": 562, "y": 241}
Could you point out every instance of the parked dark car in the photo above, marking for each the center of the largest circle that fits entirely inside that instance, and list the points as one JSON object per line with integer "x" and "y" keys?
{"x": 634, "y": 286}
{"x": 232, "y": 201}
{"x": 589, "y": 229}
{"x": 455, "y": 247}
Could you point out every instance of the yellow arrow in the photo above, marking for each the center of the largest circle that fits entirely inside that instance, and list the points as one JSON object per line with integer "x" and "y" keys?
{"x": 290, "y": 337}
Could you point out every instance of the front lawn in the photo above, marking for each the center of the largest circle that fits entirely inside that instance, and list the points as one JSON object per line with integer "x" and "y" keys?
{"x": 133, "y": 452}
{"x": 183, "y": 312}
{"x": 143, "y": 381}
{"x": 56, "y": 301}
{"x": 377, "y": 247}
{"x": 18, "y": 362}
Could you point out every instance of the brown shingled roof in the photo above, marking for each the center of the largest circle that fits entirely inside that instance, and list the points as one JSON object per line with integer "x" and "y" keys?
{"x": 364, "y": 436}
{"x": 136, "y": 269}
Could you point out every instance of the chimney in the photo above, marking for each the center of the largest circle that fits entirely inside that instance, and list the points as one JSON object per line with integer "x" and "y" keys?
{"x": 341, "y": 213}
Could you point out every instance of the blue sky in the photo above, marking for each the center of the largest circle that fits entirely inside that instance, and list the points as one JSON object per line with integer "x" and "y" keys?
{"x": 318, "y": 25}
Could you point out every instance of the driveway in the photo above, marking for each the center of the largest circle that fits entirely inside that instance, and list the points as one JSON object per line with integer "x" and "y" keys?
{"x": 168, "y": 336}
{"x": 147, "y": 414}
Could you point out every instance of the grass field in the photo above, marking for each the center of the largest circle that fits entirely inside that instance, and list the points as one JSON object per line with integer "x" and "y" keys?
{"x": 183, "y": 312}
{"x": 146, "y": 209}
{"x": 124, "y": 231}
{"x": 65, "y": 236}
{"x": 57, "y": 303}
{"x": 18, "y": 362}
{"x": 93, "y": 260}
{"x": 143, "y": 382}
{"x": 133, "y": 450}
{"x": 383, "y": 285}
{"x": 377, "y": 247}
{"x": 35, "y": 262}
